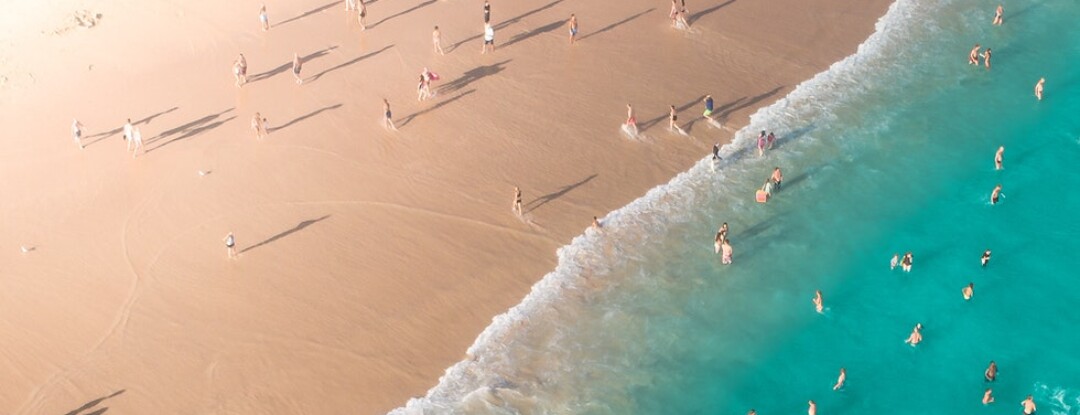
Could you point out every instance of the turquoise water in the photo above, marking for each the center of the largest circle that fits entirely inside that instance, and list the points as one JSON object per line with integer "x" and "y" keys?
{"x": 889, "y": 151}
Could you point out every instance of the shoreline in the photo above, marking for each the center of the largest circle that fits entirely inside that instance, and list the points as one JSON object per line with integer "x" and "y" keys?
{"x": 298, "y": 199}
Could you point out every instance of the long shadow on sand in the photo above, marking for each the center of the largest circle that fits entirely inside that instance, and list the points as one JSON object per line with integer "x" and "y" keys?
{"x": 473, "y": 75}
{"x": 90, "y": 405}
{"x": 191, "y": 129}
{"x": 508, "y": 22}
{"x": 694, "y": 17}
{"x": 304, "y": 117}
{"x": 106, "y": 134}
{"x": 543, "y": 200}
{"x": 300, "y": 226}
{"x": 409, "y": 118}
{"x": 402, "y": 13}
{"x": 616, "y": 24}
{"x": 285, "y": 66}
{"x": 308, "y": 13}
{"x": 353, "y": 61}
{"x": 538, "y": 31}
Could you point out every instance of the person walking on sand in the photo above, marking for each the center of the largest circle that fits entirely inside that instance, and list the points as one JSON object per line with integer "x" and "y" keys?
{"x": 973, "y": 57}
{"x": 258, "y": 123}
{"x": 516, "y": 207}
{"x": 263, "y": 18}
{"x": 573, "y": 28}
{"x": 840, "y": 380}
{"x": 128, "y": 130}
{"x": 998, "y": 15}
{"x": 1039, "y": 88}
{"x": 916, "y": 336}
{"x": 1029, "y": 405}
{"x": 631, "y": 120}
{"x": 990, "y": 374}
{"x": 136, "y": 140}
{"x": 230, "y": 245}
{"x": 968, "y": 291}
{"x": 362, "y": 16}
{"x": 436, "y": 40}
{"x": 994, "y": 195}
{"x": 673, "y": 118}
{"x": 986, "y": 58}
{"x": 708, "y": 108}
{"x": 985, "y": 257}
{"x": 422, "y": 89}
{"x": 350, "y": 5}
{"x": 297, "y": 64}
{"x": 999, "y": 158}
{"x": 76, "y": 132}
{"x": 761, "y": 144}
{"x": 240, "y": 70}
{"x": 388, "y": 117}
{"x": 906, "y": 261}
{"x": 489, "y": 39}
{"x": 988, "y": 397}
{"x": 725, "y": 248}
{"x": 819, "y": 302}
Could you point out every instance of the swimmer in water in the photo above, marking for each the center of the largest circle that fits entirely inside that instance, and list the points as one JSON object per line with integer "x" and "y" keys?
{"x": 777, "y": 177}
{"x": 973, "y": 57}
{"x": 770, "y": 140}
{"x": 725, "y": 247}
{"x": 708, "y": 108}
{"x": 813, "y": 408}
{"x": 1029, "y": 405}
{"x": 986, "y": 58}
{"x": 985, "y": 257}
{"x": 761, "y": 144}
{"x": 995, "y": 195}
{"x": 998, "y": 20}
{"x": 968, "y": 291}
{"x": 840, "y": 380}
{"x": 723, "y": 232}
{"x": 999, "y": 158}
{"x": 991, "y": 372}
{"x": 916, "y": 336}
{"x": 631, "y": 120}
{"x": 673, "y": 118}
{"x": 906, "y": 261}
{"x": 752, "y": 412}
{"x": 1039, "y": 88}
{"x": 819, "y": 302}
{"x": 894, "y": 261}
{"x": 767, "y": 187}
{"x": 988, "y": 397}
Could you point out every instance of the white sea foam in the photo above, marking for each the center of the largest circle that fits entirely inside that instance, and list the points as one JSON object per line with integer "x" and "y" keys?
{"x": 500, "y": 376}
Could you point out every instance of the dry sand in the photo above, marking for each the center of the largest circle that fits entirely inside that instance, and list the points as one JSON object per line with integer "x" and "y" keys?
{"x": 370, "y": 260}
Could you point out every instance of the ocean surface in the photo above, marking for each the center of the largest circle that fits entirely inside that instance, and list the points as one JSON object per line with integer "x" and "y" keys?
{"x": 890, "y": 150}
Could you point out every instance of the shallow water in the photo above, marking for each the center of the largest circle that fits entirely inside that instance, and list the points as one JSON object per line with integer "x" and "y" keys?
{"x": 889, "y": 151}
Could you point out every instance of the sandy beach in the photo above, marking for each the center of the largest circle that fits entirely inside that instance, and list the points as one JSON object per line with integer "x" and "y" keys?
{"x": 368, "y": 260}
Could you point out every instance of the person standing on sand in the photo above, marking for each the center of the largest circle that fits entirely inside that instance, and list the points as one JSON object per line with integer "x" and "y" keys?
{"x": 916, "y": 336}
{"x": 708, "y": 108}
{"x": 968, "y": 291}
{"x": 76, "y": 132}
{"x": 725, "y": 247}
{"x": 680, "y": 20}
{"x": 819, "y": 302}
{"x": 1029, "y": 405}
{"x": 422, "y": 89}
{"x": 1039, "y": 88}
{"x": 840, "y": 380}
{"x": 136, "y": 138}
{"x": 487, "y": 12}
{"x": 296, "y": 66}
{"x": 973, "y": 57}
{"x": 998, "y": 20}
{"x": 673, "y": 118}
{"x": 436, "y": 40}
{"x": 263, "y": 18}
{"x": 573, "y": 28}
{"x": 388, "y": 121}
{"x": 995, "y": 195}
{"x": 258, "y": 123}
{"x": 489, "y": 39}
{"x": 128, "y": 130}
{"x": 516, "y": 207}
{"x": 986, "y": 58}
{"x": 240, "y": 70}
{"x": 362, "y": 17}
{"x": 631, "y": 120}
{"x": 230, "y": 244}
{"x": 999, "y": 158}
